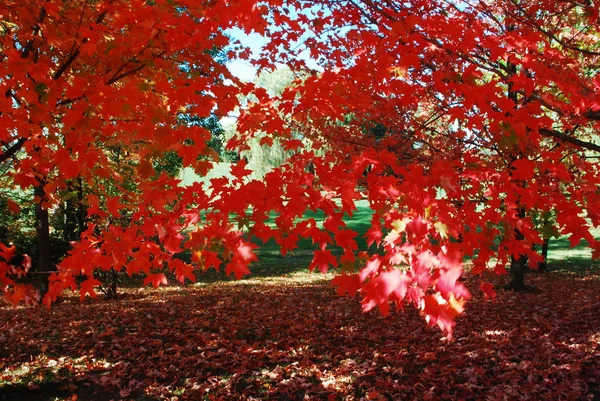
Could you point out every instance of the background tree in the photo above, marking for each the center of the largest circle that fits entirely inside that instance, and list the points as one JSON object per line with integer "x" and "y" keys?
{"x": 83, "y": 78}
{"x": 496, "y": 101}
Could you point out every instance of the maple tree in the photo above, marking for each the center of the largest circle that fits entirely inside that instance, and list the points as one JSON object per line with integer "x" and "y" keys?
{"x": 485, "y": 115}
{"x": 83, "y": 79}
{"x": 458, "y": 121}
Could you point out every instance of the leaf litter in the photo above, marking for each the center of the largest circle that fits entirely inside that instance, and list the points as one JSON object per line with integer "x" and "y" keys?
{"x": 294, "y": 338}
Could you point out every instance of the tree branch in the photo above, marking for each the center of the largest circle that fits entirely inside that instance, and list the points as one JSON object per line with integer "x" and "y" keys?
{"x": 12, "y": 150}
{"x": 29, "y": 45}
{"x": 66, "y": 64}
{"x": 592, "y": 115}
{"x": 566, "y": 138}
{"x": 123, "y": 75}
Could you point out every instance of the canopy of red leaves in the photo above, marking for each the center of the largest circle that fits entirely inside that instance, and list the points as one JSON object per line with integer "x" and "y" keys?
{"x": 458, "y": 122}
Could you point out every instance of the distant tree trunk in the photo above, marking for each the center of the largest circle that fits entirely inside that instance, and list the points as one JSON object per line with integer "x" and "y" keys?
{"x": 44, "y": 249}
{"x": 70, "y": 223}
{"x": 113, "y": 284}
{"x": 81, "y": 209}
{"x": 543, "y": 266}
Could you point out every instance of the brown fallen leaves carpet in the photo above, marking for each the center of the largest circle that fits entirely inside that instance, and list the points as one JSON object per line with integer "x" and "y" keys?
{"x": 293, "y": 338}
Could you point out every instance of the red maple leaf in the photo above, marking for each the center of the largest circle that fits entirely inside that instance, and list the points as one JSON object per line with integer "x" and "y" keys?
{"x": 155, "y": 279}
{"x": 87, "y": 288}
{"x": 346, "y": 283}
{"x": 488, "y": 290}
{"x": 322, "y": 259}
{"x": 238, "y": 268}
{"x": 239, "y": 170}
{"x": 345, "y": 239}
{"x": 447, "y": 284}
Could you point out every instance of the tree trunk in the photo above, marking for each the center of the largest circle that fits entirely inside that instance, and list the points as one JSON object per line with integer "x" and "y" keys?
{"x": 543, "y": 266}
{"x": 518, "y": 265}
{"x": 113, "y": 284}
{"x": 517, "y": 273}
{"x": 44, "y": 249}
{"x": 81, "y": 209}
{"x": 70, "y": 223}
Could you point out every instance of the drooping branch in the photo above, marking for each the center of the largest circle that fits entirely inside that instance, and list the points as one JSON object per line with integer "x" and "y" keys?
{"x": 12, "y": 150}
{"x": 125, "y": 74}
{"x": 567, "y": 138}
{"x": 29, "y": 45}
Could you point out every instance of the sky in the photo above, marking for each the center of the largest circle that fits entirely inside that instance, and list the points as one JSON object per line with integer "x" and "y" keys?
{"x": 244, "y": 69}
{"x": 241, "y": 68}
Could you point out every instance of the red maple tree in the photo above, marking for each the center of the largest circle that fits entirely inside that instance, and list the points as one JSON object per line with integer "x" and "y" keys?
{"x": 460, "y": 122}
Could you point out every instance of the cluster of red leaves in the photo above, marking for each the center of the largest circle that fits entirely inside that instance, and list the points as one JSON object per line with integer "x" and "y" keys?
{"x": 487, "y": 110}
{"x": 14, "y": 293}
{"x": 287, "y": 339}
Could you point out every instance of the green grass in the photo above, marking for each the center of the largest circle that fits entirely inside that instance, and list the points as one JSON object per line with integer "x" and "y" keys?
{"x": 560, "y": 254}
{"x": 188, "y": 176}
{"x": 561, "y": 257}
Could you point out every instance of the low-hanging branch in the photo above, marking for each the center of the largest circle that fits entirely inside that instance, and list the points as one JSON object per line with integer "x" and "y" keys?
{"x": 567, "y": 138}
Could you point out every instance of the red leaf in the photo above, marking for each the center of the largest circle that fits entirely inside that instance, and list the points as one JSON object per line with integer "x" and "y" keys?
{"x": 345, "y": 239}
{"x": 377, "y": 291}
{"x": 245, "y": 253}
{"x": 371, "y": 267}
{"x": 346, "y": 283}
{"x": 374, "y": 235}
{"x": 87, "y": 288}
{"x": 239, "y": 170}
{"x": 267, "y": 140}
{"x": 208, "y": 259}
{"x": 522, "y": 169}
{"x": 441, "y": 312}
{"x": 13, "y": 207}
{"x": 322, "y": 259}
{"x": 113, "y": 206}
{"x": 488, "y": 289}
{"x": 155, "y": 279}
{"x": 238, "y": 268}
{"x": 7, "y": 253}
{"x": 292, "y": 144}
{"x": 183, "y": 270}
{"x": 447, "y": 284}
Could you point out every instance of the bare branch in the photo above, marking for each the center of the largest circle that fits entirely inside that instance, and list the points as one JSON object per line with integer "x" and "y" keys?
{"x": 29, "y": 45}
{"x": 12, "y": 150}
{"x": 567, "y": 138}
{"x": 125, "y": 74}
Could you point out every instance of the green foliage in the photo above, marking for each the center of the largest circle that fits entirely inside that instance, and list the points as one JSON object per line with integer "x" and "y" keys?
{"x": 170, "y": 164}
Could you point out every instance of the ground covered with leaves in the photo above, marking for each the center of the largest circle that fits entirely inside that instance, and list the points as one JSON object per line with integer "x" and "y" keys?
{"x": 293, "y": 338}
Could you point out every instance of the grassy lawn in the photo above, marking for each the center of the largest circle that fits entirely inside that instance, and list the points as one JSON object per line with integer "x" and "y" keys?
{"x": 560, "y": 255}
{"x": 189, "y": 177}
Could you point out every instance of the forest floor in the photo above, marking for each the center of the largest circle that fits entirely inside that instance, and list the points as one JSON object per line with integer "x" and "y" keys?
{"x": 291, "y": 337}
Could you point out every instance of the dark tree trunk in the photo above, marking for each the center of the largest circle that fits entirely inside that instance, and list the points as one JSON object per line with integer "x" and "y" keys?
{"x": 518, "y": 264}
{"x": 113, "y": 284}
{"x": 517, "y": 273}
{"x": 543, "y": 266}
{"x": 81, "y": 209}
{"x": 44, "y": 249}
{"x": 70, "y": 224}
